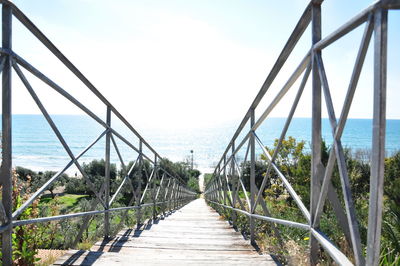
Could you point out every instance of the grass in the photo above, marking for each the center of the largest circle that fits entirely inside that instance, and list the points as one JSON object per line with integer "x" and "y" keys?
{"x": 85, "y": 245}
{"x": 65, "y": 201}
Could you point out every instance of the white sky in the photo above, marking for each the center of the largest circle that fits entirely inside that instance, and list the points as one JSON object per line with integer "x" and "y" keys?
{"x": 188, "y": 63}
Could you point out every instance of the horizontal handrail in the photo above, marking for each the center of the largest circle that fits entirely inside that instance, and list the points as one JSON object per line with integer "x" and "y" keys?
{"x": 265, "y": 218}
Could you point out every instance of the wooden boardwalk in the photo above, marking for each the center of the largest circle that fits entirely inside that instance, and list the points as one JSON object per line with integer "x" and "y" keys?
{"x": 192, "y": 235}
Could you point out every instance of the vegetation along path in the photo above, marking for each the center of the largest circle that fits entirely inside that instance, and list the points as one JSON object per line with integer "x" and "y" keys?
{"x": 192, "y": 235}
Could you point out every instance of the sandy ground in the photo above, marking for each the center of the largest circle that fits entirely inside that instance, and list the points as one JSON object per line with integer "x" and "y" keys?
{"x": 201, "y": 182}
{"x": 48, "y": 256}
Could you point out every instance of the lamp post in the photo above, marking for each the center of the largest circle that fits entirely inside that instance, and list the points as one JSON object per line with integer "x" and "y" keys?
{"x": 191, "y": 151}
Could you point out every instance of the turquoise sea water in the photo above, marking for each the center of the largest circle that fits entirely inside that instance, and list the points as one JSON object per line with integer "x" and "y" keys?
{"x": 36, "y": 146}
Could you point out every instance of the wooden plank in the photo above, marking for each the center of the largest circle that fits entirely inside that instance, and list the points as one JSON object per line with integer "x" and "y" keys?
{"x": 89, "y": 258}
{"x": 102, "y": 258}
{"x": 193, "y": 235}
{"x": 180, "y": 246}
{"x": 186, "y": 236}
{"x": 172, "y": 241}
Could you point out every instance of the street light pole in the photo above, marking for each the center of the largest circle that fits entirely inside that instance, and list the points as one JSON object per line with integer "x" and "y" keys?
{"x": 191, "y": 151}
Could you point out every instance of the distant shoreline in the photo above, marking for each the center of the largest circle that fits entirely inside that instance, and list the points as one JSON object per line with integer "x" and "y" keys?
{"x": 35, "y": 146}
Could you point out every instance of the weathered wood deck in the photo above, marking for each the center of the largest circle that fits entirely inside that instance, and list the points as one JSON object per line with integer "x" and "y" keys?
{"x": 193, "y": 235}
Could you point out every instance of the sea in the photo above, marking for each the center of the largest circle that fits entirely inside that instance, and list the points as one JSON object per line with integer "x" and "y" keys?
{"x": 35, "y": 145}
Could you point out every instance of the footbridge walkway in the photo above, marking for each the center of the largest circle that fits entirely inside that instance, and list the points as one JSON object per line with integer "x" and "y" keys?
{"x": 192, "y": 235}
{"x": 182, "y": 229}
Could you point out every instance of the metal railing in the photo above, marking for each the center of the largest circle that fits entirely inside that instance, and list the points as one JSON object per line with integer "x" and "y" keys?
{"x": 164, "y": 190}
{"x": 227, "y": 181}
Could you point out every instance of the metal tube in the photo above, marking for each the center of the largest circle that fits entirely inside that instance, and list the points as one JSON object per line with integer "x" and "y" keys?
{"x": 344, "y": 178}
{"x": 2, "y": 62}
{"x": 56, "y": 132}
{"x": 85, "y": 221}
{"x": 316, "y": 137}
{"x": 118, "y": 152}
{"x": 149, "y": 179}
{"x": 252, "y": 178}
{"x": 378, "y": 138}
{"x": 46, "y": 42}
{"x": 56, "y": 87}
{"x": 107, "y": 177}
{"x": 343, "y": 117}
{"x": 333, "y": 251}
{"x": 265, "y": 218}
{"x": 6, "y": 164}
{"x": 243, "y": 187}
{"x": 355, "y": 75}
{"x": 78, "y": 214}
{"x": 160, "y": 187}
{"x": 153, "y": 188}
{"x": 274, "y": 102}
{"x": 234, "y": 185}
{"x": 122, "y": 183}
{"x": 285, "y": 182}
{"x": 293, "y": 78}
{"x": 284, "y": 130}
{"x": 347, "y": 27}
{"x": 224, "y": 184}
{"x": 139, "y": 188}
{"x": 298, "y": 31}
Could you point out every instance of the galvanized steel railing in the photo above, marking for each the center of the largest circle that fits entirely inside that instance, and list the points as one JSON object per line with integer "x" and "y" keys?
{"x": 223, "y": 188}
{"x": 162, "y": 188}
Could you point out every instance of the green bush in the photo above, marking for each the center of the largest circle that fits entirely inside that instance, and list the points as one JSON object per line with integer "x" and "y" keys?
{"x": 193, "y": 184}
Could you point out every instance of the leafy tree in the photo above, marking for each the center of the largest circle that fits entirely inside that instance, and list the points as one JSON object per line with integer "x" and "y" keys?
{"x": 392, "y": 180}
{"x": 25, "y": 174}
{"x": 98, "y": 168}
{"x": 194, "y": 173}
{"x": 76, "y": 186}
{"x": 36, "y": 180}
{"x": 193, "y": 184}
{"x": 145, "y": 172}
{"x": 95, "y": 170}
{"x": 179, "y": 169}
{"x": 260, "y": 169}
{"x": 42, "y": 177}
{"x": 207, "y": 178}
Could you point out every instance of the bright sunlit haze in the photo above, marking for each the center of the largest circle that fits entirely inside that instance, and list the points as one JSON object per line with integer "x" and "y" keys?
{"x": 177, "y": 64}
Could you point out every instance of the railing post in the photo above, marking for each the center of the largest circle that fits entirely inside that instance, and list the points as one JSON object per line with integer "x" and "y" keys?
{"x": 171, "y": 196}
{"x": 233, "y": 178}
{"x": 225, "y": 187}
{"x": 316, "y": 165}
{"x": 214, "y": 190}
{"x": 252, "y": 177}
{"x": 212, "y": 194}
{"x": 6, "y": 171}
{"x": 139, "y": 188}
{"x": 107, "y": 176}
{"x": 166, "y": 199}
{"x": 174, "y": 194}
{"x": 154, "y": 188}
{"x": 378, "y": 138}
{"x": 168, "y": 195}
{"x": 179, "y": 195}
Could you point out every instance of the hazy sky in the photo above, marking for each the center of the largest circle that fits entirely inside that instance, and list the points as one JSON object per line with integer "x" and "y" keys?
{"x": 189, "y": 63}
